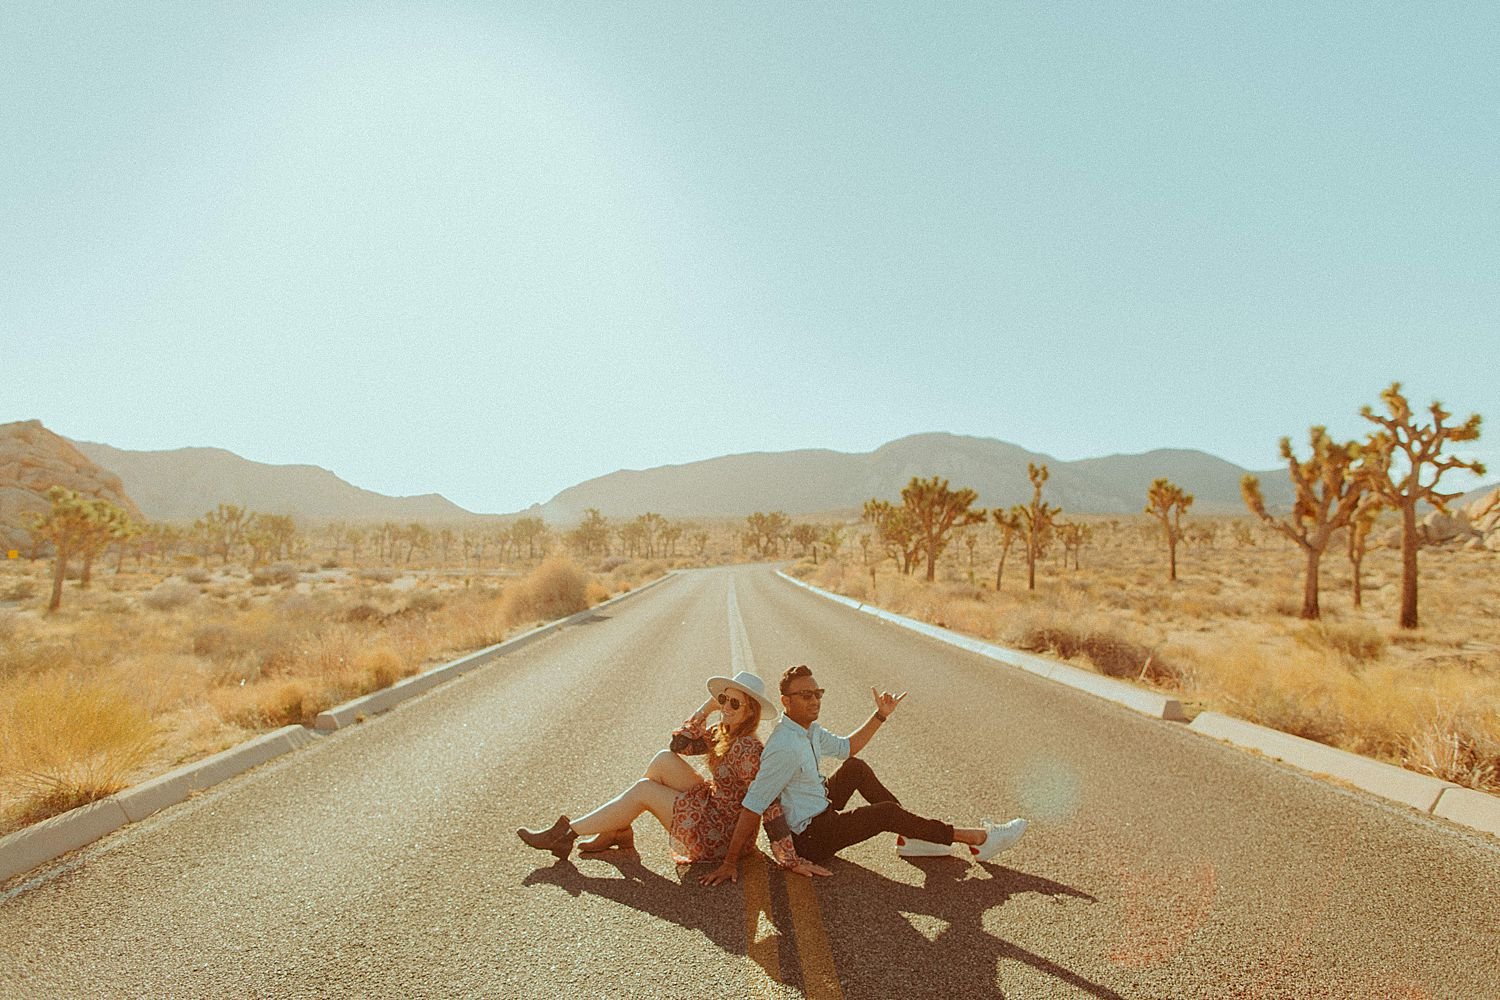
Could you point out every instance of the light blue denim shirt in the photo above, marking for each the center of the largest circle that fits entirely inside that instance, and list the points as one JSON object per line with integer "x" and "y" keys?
{"x": 789, "y": 769}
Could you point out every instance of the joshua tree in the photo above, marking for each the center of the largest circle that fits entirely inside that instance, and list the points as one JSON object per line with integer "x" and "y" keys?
{"x": 1401, "y": 455}
{"x": 897, "y": 531}
{"x": 1073, "y": 536}
{"x": 76, "y": 525}
{"x": 1167, "y": 503}
{"x": 1037, "y": 519}
{"x": 806, "y": 535}
{"x": 1009, "y": 523}
{"x": 936, "y": 511}
{"x": 1328, "y": 489}
{"x": 833, "y": 539}
{"x": 1360, "y": 525}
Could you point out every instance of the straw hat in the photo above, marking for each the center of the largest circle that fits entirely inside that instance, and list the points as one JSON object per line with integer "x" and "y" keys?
{"x": 751, "y": 685}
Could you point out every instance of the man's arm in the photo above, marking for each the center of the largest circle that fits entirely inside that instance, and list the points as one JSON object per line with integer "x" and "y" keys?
{"x": 885, "y": 704}
{"x": 745, "y": 829}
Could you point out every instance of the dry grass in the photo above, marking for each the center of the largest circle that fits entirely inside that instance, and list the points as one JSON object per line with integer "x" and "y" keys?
{"x": 142, "y": 673}
{"x": 1226, "y": 636}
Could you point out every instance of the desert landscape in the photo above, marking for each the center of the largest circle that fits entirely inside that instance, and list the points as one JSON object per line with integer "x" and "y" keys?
{"x": 168, "y": 642}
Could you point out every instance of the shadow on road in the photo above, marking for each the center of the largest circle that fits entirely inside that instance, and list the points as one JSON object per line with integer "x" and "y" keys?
{"x": 889, "y": 938}
{"x": 681, "y": 900}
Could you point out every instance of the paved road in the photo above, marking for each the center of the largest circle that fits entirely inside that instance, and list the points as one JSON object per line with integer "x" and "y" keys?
{"x": 381, "y": 862}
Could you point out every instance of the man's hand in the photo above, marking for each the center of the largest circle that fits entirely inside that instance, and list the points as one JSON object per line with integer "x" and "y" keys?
{"x": 885, "y": 702}
{"x": 809, "y": 869}
{"x": 729, "y": 871}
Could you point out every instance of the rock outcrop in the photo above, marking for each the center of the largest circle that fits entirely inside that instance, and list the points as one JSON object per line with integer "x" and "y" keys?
{"x": 32, "y": 461}
{"x": 1475, "y": 525}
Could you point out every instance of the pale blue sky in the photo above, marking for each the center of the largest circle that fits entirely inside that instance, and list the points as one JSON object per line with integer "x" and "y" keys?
{"x": 492, "y": 250}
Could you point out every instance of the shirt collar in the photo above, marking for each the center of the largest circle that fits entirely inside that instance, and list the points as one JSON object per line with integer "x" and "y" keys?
{"x": 786, "y": 720}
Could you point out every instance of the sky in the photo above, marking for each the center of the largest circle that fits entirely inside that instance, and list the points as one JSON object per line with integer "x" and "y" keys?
{"x": 491, "y": 250}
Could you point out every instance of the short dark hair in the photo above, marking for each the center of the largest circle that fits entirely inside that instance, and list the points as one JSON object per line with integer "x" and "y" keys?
{"x": 792, "y": 673}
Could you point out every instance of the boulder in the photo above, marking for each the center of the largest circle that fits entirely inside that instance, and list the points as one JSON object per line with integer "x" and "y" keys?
{"x": 32, "y": 461}
{"x": 1487, "y": 504}
{"x": 1440, "y": 527}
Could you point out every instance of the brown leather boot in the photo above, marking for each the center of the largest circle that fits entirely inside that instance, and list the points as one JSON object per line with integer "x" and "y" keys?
{"x": 558, "y": 839}
{"x": 622, "y": 838}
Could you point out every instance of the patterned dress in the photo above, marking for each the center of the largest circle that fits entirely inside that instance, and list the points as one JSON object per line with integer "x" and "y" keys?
{"x": 704, "y": 816}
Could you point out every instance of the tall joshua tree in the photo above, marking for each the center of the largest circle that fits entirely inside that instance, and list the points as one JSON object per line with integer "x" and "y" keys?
{"x": 1036, "y": 519}
{"x": 1406, "y": 461}
{"x": 1009, "y": 523}
{"x": 1167, "y": 502}
{"x": 1328, "y": 487}
{"x": 936, "y": 510}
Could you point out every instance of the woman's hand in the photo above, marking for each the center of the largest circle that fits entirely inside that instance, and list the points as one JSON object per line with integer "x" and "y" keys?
{"x": 729, "y": 871}
{"x": 809, "y": 869}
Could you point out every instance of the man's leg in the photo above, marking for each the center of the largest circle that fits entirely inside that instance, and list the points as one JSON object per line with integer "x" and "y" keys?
{"x": 832, "y": 831}
{"x": 854, "y": 775}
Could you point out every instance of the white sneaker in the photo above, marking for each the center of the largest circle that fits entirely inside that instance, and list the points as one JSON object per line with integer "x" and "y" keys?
{"x": 910, "y": 847}
{"x": 997, "y": 838}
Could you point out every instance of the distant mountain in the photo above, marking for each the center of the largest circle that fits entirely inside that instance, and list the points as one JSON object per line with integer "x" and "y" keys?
{"x": 182, "y": 484}
{"x": 813, "y": 481}
{"x": 32, "y": 461}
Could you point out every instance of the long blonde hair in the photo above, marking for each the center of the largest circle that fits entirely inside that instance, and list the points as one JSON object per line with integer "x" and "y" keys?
{"x": 722, "y": 737}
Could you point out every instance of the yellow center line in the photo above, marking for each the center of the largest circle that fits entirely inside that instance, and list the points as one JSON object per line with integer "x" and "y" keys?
{"x": 762, "y": 943}
{"x": 820, "y": 981}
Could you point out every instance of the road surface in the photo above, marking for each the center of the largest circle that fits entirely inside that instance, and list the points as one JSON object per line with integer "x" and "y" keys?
{"x": 382, "y": 860}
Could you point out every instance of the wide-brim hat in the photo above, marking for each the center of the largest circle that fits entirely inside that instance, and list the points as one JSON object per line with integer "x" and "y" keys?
{"x": 749, "y": 683}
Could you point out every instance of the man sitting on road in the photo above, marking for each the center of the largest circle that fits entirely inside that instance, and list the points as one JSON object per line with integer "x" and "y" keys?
{"x": 818, "y": 826}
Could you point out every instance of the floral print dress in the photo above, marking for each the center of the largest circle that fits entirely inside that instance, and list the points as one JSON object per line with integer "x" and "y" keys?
{"x": 704, "y": 816}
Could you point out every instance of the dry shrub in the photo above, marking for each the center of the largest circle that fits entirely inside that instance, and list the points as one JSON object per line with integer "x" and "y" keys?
{"x": 423, "y": 602}
{"x": 66, "y": 741}
{"x": 1356, "y": 642}
{"x": 555, "y": 589}
{"x": 1070, "y": 635}
{"x": 169, "y": 595}
{"x": 197, "y": 576}
{"x": 378, "y": 574}
{"x": 277, "y": 573}
{"x": 381, "y": 666}
{"x": 285, "y": 702}
{"x": 596, "y": 593}
{"x": 802, "y": 569}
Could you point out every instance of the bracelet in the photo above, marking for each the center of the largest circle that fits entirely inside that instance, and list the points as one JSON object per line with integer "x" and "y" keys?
{"x": 882, "y": 718}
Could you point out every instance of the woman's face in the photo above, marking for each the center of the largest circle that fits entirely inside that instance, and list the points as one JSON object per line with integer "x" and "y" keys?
{"x": 727, "y": 700}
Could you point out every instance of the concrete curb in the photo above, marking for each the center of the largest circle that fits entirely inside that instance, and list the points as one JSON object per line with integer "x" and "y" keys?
{"x": 1471, "y": 808}
{"x": 51, "y": 838}
{"x": 1465, "y": 806}
{"x": 352, "y": 711}
{"x": 1419, "y": 791}
{"x": 1146, "y": 702}
{"x": 140, "y": 801}
{"x": 41, "y": 842}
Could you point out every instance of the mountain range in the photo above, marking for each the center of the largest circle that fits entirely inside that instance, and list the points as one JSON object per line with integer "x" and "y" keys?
{"x": 181, "y": 484}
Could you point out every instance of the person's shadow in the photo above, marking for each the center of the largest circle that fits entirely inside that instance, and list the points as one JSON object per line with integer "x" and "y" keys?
{"x": 895, "y": 939}
{"x": 878, "y": 949}
{"x": 719, "y": 916}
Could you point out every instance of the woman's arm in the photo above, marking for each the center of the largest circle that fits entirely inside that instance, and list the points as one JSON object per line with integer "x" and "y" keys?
{"x": 692, "y": 737}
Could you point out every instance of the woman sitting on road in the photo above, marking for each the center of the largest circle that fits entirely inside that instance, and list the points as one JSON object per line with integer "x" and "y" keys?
{"x": 699, "y": 815}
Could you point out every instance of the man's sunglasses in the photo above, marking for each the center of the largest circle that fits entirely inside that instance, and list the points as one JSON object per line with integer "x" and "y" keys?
{"x": 814, "y": 693}
{"x": 733, "y": 703}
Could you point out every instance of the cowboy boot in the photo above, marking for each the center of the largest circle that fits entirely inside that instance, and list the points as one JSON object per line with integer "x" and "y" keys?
{"x": 558, "y": 839}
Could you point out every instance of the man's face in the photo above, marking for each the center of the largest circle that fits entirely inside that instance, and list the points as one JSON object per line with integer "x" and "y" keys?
{"x": 803, "y": 700}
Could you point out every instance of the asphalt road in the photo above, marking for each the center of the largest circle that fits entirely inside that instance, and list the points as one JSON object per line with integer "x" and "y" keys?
{"x": 382, "y": 862}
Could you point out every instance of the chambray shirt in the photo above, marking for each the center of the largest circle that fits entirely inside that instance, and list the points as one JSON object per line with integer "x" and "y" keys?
{"x": 789, "y": 769}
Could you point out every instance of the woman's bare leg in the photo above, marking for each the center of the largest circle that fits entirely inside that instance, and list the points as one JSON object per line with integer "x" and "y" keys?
{"x": 643, "y": 796}
{"x": 666, "y": 768}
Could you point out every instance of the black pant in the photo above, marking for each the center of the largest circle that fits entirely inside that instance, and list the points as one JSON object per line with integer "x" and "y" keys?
{"x": 831, "y": 830}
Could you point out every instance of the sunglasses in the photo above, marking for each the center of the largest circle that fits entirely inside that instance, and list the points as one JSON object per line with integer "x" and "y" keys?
{"x": 733, "y": 703}
{"x": 814, "y": 693}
